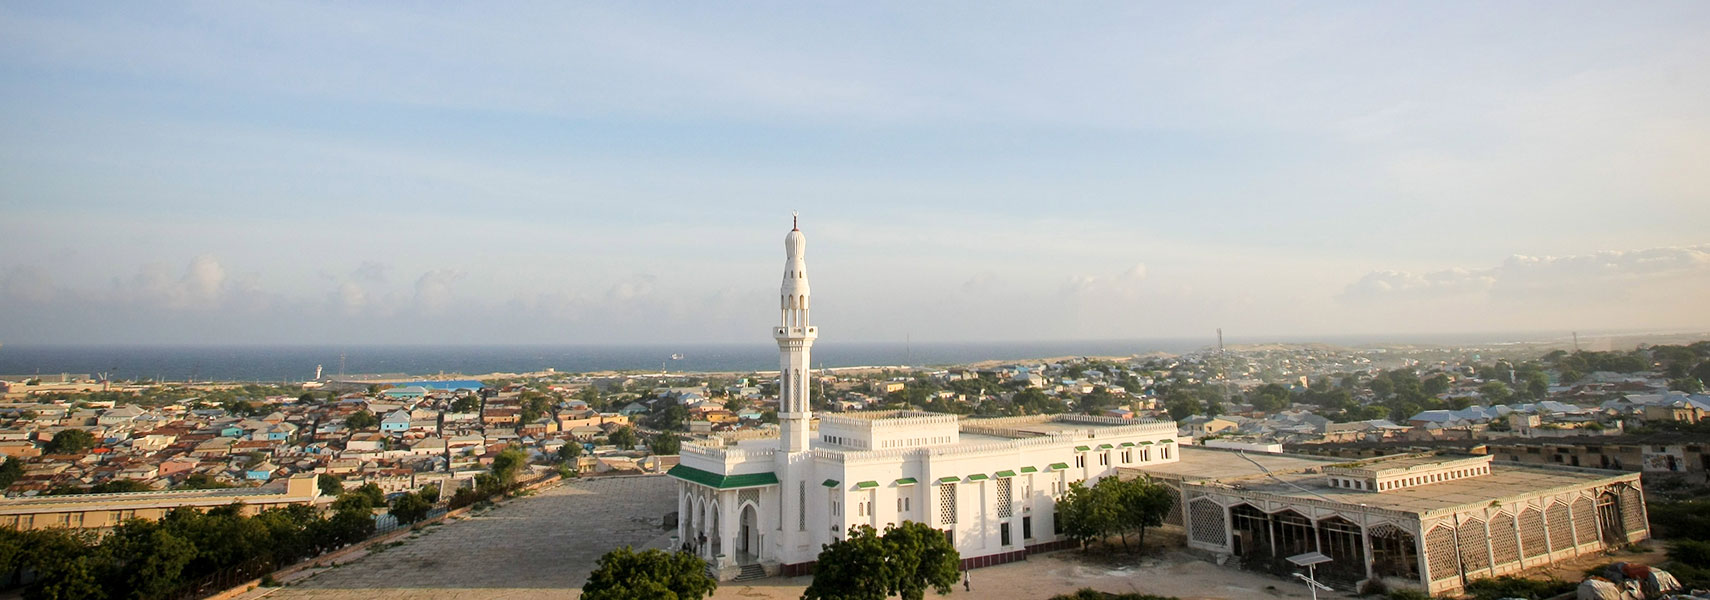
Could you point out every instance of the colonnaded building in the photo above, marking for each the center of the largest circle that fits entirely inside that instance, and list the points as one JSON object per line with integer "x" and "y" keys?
{"x": 1428, "y": 521}
{"x": 768, "y": 502}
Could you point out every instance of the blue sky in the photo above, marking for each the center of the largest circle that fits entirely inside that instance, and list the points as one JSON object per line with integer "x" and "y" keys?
{"x": 338, "y": 173}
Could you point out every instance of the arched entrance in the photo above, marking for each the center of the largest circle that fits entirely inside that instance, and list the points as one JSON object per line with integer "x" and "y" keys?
{"x": 748, "y": 536}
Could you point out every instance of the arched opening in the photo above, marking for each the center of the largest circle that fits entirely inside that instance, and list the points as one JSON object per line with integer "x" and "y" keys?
{"x": 1339, "y": 539}
{"x": 1252, "y": 531}
{"x": 1609, "y": 519}
{"x": 748, "y": 542}
{"x": 1395, "y": 552}
{"x": 1295, "y": 534}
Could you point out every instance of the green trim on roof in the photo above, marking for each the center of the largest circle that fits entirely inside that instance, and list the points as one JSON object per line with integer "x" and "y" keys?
{"x": 907, "y": 481}
{"x": 866, "y": 485}
{"x": 1029, "y": 470}
{"x": 1060, "y": 466}
{"x": 949, "y": 479}
{"x": 830, "y": 483}
{"x": 1082, "y": 448}
{"x": 978, "y": 477}
{"x": 1105, "y": 446}
{"x": 1004, "y": 473}
{"x": 723, "y": 482}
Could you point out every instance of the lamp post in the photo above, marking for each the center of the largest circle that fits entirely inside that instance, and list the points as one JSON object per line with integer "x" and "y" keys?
{"x": 1310, "y": 560}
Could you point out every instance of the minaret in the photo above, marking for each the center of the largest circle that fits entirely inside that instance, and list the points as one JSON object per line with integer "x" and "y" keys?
{"x": 795, "y": 339}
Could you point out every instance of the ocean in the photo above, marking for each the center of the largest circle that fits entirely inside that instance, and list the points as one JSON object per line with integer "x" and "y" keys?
{"x": 297, "y": 363}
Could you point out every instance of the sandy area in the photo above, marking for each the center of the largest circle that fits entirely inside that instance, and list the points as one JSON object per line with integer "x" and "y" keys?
{"x": 1041, "y": 577}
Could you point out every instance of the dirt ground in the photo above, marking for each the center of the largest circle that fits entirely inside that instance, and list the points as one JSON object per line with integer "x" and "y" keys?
{"x": 1041, "y": 577}
{"x": 544, "y": 546}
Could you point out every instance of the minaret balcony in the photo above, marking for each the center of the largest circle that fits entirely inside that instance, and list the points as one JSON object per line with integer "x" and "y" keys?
{"x": 795, "y": 332}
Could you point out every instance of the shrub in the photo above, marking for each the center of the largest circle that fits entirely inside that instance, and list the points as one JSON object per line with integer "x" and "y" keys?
{"x": 1693, "y": 553}
{"x": 1509, "y": 586}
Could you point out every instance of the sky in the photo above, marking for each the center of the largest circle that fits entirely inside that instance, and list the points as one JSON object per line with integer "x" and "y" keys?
{"x": 593, "y": 173}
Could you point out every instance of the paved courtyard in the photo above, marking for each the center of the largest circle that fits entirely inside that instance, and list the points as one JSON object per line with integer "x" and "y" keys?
{"x": 544, "y": 546}
{"x": 540, "y": 546}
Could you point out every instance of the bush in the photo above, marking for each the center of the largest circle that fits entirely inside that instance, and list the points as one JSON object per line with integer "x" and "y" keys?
{"x": 1681, "y": 520}
{"x": 1509, "y": 586}
{"x": 1692, "y": 553}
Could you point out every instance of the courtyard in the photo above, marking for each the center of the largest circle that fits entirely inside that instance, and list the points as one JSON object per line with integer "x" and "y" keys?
{"x": 544, "y": 546}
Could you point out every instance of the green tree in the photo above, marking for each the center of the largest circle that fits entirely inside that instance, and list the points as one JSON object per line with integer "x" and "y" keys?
{"x": 624, "y": 574}
{"x": 361, "y": 419}
{"x": 1182, "y": 407}
{"x": 1495, "y": 392}
{"x": 508, "y": 464}
{"x": 202, "y": 481}
{"x": 376, "y": 496}
{"x": 853, "y": 568}
{"x": 70, "y": 441}
{"x": 410, "y": 508}
{"x": 665, "y": 443}
{"x": 622, "y": 437}
{"x": 10, "y": 471}
{"x": 920, "y": 558}
{"x": 466, "y": 404}
{"x": 569, "y": 451}
{"x": 1437, "y": 385}
{"x": 1145, "y": 503}
{"x": 330, "y": 484}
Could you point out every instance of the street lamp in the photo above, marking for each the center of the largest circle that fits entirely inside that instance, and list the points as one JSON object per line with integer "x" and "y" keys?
{"x": 1310, "y": 560}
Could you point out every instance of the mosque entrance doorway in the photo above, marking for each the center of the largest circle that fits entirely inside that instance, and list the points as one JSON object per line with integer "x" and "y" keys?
{"x": 748, "y": 544}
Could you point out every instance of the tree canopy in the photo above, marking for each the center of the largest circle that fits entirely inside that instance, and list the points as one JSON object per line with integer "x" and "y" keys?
{"x": 1113, "y": 507}
{"x": 70, "y": 441}
{"x": 905, "y": 560}
{"x": 624, "y": 574}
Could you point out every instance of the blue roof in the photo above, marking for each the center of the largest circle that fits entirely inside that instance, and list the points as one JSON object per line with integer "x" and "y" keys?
{"x": 451, "y": 384}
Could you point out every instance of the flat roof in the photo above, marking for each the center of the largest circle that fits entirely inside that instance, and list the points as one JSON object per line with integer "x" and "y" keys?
{"x": 1198, "y": 464}
{"x": 1289, "y": 477}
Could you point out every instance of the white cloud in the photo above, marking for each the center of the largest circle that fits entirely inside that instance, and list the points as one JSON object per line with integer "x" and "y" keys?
{"x": 434, "y": 291}
{"x": 1553, "y": 279}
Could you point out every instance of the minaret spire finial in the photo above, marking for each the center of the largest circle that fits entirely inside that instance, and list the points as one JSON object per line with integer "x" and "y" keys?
{"x": 794, "y": 216}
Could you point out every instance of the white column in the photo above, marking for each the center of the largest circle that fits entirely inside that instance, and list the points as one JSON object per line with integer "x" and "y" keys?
{"x": 682, "y": 512}
{"x": 728, "y": 526}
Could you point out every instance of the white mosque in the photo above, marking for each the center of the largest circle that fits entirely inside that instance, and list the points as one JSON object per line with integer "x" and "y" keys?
{"x": 752, "y": 502}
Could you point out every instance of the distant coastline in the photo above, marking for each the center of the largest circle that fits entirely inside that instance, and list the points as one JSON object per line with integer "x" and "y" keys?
{"x": 286, "y": 363}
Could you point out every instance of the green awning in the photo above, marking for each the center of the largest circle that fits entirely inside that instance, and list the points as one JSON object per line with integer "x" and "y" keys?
{"x": 830, "y": 483}
{"x": 1145, "y": 443}
{"x": 1127, "y": 444}
{"x": 866, "y": 485}
{"x": 1029, "y": 470}
{"x": 1060, "y": 466}
{"x": 977, "y": 477}
{"x": 1105, "y": 446}
{"x": 907, "y": 481}
{"x": 949, "y": 479}
{"x": 723, "y": 482}
{"x": 1168, "y": 441}
{"x": 1004, "y": 473}
{"x": 1082, "y": 448}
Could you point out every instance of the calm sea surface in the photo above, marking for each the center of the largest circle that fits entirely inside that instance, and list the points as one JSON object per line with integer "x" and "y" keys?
{"x": 297, "y": 363}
